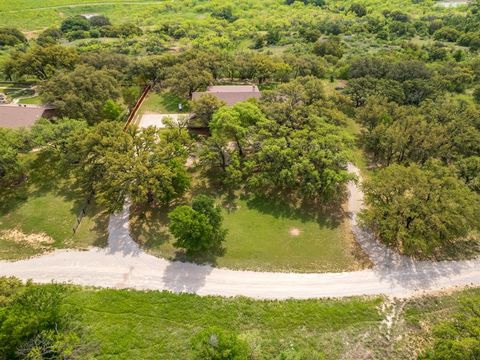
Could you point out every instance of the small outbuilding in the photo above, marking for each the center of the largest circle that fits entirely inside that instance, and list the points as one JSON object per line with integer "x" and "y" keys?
{"x": 15, "y": 116}
{"x": 231, "y": 94}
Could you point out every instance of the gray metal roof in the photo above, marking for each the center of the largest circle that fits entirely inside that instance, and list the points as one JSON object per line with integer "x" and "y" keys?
{"x": 231, "y": 94}
{"x": 16, "y": 116}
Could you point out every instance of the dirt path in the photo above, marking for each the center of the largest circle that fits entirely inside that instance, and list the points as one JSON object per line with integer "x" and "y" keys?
{"x": 124, "y": 265}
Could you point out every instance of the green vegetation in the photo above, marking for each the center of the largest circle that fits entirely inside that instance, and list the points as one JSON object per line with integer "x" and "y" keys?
{"x": 123, "y": 324}
{"x": 263, "y": 234}
{"x": 215, "y": 343}
{"x": 98, "y": 88}
{"x": 111, "y": 171}
{"x": 162, "y": 103}
{"x": 35, "y": 323}
{"x": 131, "y": 324}
{"x": 197, "y": 228}
{"x": 34, "y": 100}
{"x": 11, "y": 36}
{"x": 422, "y": 212}
{"x": 459, "y": 338}
{"x": 40, "y": 214}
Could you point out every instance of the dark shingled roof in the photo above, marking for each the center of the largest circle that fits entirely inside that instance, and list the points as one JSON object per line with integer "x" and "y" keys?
{"x": 16, "y": 116}
{"x": 231, "y": 94}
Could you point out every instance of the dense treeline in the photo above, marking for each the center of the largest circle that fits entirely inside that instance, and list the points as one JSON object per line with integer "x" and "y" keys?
{"x": 410, "y": 80}
{"x": 408, "y": 75}
{"x": 290, "y": 145}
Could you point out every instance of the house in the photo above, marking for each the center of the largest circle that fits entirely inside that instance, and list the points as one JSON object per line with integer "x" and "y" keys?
{"x": 16, "y": 116}
{"x": 231, "y": 94}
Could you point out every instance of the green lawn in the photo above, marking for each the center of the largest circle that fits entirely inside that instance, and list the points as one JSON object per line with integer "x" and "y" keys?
{"x": 46, "y": 204}
{"x": 34, "y": 100}
{"x": 162, "y": 103}
{"x": 156, "y": 325}
{"x": 263, "y": 235}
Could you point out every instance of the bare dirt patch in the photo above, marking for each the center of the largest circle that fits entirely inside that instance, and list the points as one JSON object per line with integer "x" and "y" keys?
{"x": 38, "y": 241}
{"x": 294, "y": 231}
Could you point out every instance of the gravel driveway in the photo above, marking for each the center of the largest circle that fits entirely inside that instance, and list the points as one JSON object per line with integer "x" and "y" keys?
{"x": 124, "y": 265}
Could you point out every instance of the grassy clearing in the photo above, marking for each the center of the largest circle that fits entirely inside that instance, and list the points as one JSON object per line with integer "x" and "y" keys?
{"x": 123, "y": 324}
{"x": 263, "y": 234}
{"x": 47, "y": 204}
{"x": 34, "y": 4}
{"x": 30, "y": 15}
{"x": 162, "y": 103}
{"x": 39, "y": 16}
{"x": 155, "y": 325}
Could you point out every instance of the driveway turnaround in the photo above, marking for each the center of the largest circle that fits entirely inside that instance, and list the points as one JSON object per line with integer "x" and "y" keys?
{"x": 124, "y": 265}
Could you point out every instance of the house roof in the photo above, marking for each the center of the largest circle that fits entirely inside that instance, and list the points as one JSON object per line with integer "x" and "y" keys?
{"x": 17, "y": 116}
{"x": 231, "y": 94}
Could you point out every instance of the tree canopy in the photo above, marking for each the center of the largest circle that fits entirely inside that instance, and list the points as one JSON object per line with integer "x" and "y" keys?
{"x": 81, "y": 93}
{"x": 141, "y": 165}
{"x": 197, "y": 228}
{"x": 420, "y": 211}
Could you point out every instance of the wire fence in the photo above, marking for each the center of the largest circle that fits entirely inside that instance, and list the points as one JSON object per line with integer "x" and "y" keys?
{"x": 82, "y": 213}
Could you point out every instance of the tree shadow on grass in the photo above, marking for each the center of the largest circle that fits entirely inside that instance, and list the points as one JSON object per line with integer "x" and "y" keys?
{"x": 279, "y": 208}
{"x": 12, "y": 197}
{"x": 38, "y": 178}
{"x": 209, "y": 257}
{"x": 149, "y": 226}
{"x": 45, "y": 175}
{"x": 278, "y": 204}
{"x": 100, "y": 221}
{"x": 48, "y": 174}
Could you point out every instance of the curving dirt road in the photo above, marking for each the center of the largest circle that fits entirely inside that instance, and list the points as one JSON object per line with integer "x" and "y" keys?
{"x": 124, "y": 265}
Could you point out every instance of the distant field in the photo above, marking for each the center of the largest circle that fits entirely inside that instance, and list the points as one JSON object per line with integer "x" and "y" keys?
{"x": 35, "y": 4}
{"x": 32, "y": 15}
{"x": 33, "y": 18}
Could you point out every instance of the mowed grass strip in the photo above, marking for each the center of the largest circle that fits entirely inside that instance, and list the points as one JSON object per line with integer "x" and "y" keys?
{"x": 160, "y": 325}
{"x": 162, "y": 103}
{"x": 263, "y": 235}
{"x": 48, "y": 203}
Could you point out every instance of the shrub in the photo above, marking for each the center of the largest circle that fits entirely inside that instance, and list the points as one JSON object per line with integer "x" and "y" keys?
{"x": 217, "y": 344}
{"x": 197, "y": 228}
{"x": 11, "y": 36}
{"x": 99, "y": 20}
{"x": 75, "y": 23}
